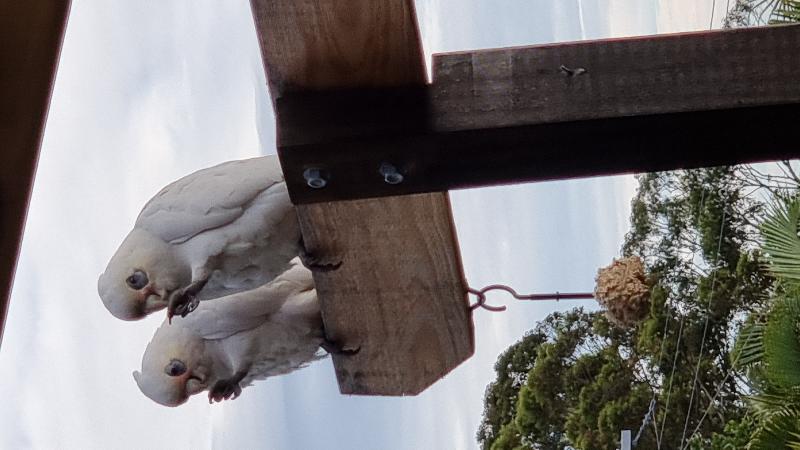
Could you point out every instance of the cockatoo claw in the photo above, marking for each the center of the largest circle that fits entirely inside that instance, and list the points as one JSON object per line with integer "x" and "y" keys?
{"x": 191, "y": 306}
{"x": 184, "y": 301}
{"x": 337, "y": 348}
{"x": 179, "y": 304}
{"x": 316, "y": 262}
{"x": 228, "y": 388}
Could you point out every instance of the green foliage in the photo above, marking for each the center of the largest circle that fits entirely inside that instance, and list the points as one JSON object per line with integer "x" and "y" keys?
{"x": 585, "y": 379}
{"x": 767, "y": 350}
{"x": 748, "y": 352}
{"x": 571, "y": 366}
{"x": 778, "y": 420}
{"x": 748, "y": 13}
{"x": 735, "y": 436}
{"x": 781, "y": 344}
{"x": 787, "y": 11}
{"x": 781, "y": 243}
{"x": 501, "y": 395}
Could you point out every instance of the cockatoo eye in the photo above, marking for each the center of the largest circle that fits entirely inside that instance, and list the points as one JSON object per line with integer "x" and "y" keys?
{"x": 175, "y": 368}
{"x": 138, "y": 280}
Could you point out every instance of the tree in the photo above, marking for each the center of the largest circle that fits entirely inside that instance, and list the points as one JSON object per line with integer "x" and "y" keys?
{"x": 746, "y": 13}
{"x": 767, "y": 350}
{"x": 568, "y": 362}
{"x": 512, "y": 369}
{"x": 586, "y": 380}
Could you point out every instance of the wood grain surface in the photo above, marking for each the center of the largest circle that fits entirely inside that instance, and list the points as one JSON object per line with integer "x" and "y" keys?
{"x": 332, "y": 44}
{"x": 557, "y": 111}
{"x": 637, "y": 76}
{"x": 400, "y": 293}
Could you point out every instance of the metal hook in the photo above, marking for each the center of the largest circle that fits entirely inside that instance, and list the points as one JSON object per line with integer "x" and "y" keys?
{"x": 481, "y": 294}
{"x": 481, "y": 303}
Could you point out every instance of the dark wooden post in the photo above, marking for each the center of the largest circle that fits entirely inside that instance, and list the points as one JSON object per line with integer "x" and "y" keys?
{"x": 31, "y": 32}
{"x": 555, "y": 111}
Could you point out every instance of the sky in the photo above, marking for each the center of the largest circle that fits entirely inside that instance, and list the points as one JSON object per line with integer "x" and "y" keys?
{"x": 147, "y": 92}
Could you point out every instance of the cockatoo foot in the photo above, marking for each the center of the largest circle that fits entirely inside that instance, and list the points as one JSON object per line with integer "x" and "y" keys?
{"x": 317, "y": 263}
{"x": 228, "y": 388}
{"x": 337, "y": 348}
{"x": 184, "y": 301}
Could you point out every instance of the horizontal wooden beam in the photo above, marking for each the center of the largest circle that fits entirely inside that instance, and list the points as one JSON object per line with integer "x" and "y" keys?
{"x": 550, "y": 112}
{"x": 400, "y": 293}
{"x": 31, "y": 33}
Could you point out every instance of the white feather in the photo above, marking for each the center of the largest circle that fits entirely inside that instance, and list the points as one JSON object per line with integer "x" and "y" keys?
{"x": 272, "y": 330}
{"x": 232, "y": 224}
{"x": 208, "y": 199}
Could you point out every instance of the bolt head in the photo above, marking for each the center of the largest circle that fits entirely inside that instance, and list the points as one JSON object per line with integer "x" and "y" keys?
{"x": 390, "y": 174}
{"x": 315, "y": 178}
{"x": 393, "y": 178}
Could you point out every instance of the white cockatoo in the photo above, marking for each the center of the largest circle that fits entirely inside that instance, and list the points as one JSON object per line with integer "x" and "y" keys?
{"x": 229, "y": 342}
{"x": 218, "y": 231}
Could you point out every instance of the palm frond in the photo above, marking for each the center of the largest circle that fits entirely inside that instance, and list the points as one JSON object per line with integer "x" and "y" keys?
{"x": 781, "y": 242}
{"x": 787, "y": 11}
{"x": 778, "y": 415}
{"x": 781, "y": 345}
{"x": 776, "y": 432}
{"x": 749, "y": 346}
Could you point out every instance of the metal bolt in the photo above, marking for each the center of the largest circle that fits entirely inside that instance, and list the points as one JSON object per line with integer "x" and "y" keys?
{"x": 315, "y": 178}
{"x": 390, "y": 174}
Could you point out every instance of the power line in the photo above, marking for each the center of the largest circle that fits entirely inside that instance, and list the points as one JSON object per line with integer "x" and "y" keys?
{"x": 647, "y": 418}
{"x": 660, "y": 435}
{"x": 722, "y": 383}
{"x": 713, "y": 7}
{"x": 705, "y": 328}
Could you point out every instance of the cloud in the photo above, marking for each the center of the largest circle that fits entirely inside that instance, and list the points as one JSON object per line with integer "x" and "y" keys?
{"x": 145, "y": 93}
{"x": 690, "y": 15}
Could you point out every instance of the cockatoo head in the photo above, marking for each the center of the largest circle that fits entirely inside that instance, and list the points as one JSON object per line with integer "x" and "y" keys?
{"x": 175, "y": 366}
{"x": 140, "y": 276}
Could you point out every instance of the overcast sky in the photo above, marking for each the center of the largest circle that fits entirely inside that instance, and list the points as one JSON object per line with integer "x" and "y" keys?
{"x": 150, "y": 91}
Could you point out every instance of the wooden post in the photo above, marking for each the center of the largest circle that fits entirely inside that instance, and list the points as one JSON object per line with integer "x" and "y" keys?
{"x": 400, "y": 293}
{"x": 30, "y": 35}
{"x": 552, "y": 112}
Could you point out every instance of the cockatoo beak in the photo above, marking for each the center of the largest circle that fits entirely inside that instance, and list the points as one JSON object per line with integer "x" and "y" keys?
{"x": 146, "y": 291}
{"x": 152, "y": 298}
{"x": 195, "y": 382}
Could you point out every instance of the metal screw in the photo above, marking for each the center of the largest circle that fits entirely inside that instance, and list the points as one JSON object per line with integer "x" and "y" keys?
{"x": 315, "y": 178}
{"x": 390, "y": 174}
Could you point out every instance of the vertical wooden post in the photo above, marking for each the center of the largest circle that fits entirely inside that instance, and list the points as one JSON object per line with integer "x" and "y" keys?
{"x": 31, "y": 32}
{"x": 400, "y": 292}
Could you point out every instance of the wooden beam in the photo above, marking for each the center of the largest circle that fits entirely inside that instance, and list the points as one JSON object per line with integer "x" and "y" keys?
{"x": 333, "y": 44}
{"x": 555, "y": 111}
{"x": 400, "y": 293}
{"x": 31, "y": 33}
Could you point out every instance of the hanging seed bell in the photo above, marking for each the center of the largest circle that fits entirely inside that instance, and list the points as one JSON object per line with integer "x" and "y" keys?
{"x": 622, "y": 290}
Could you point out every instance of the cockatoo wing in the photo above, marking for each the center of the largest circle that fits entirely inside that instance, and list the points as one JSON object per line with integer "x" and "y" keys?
{"x": 208, "y": 199}
{"x": 222, "y": 317}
